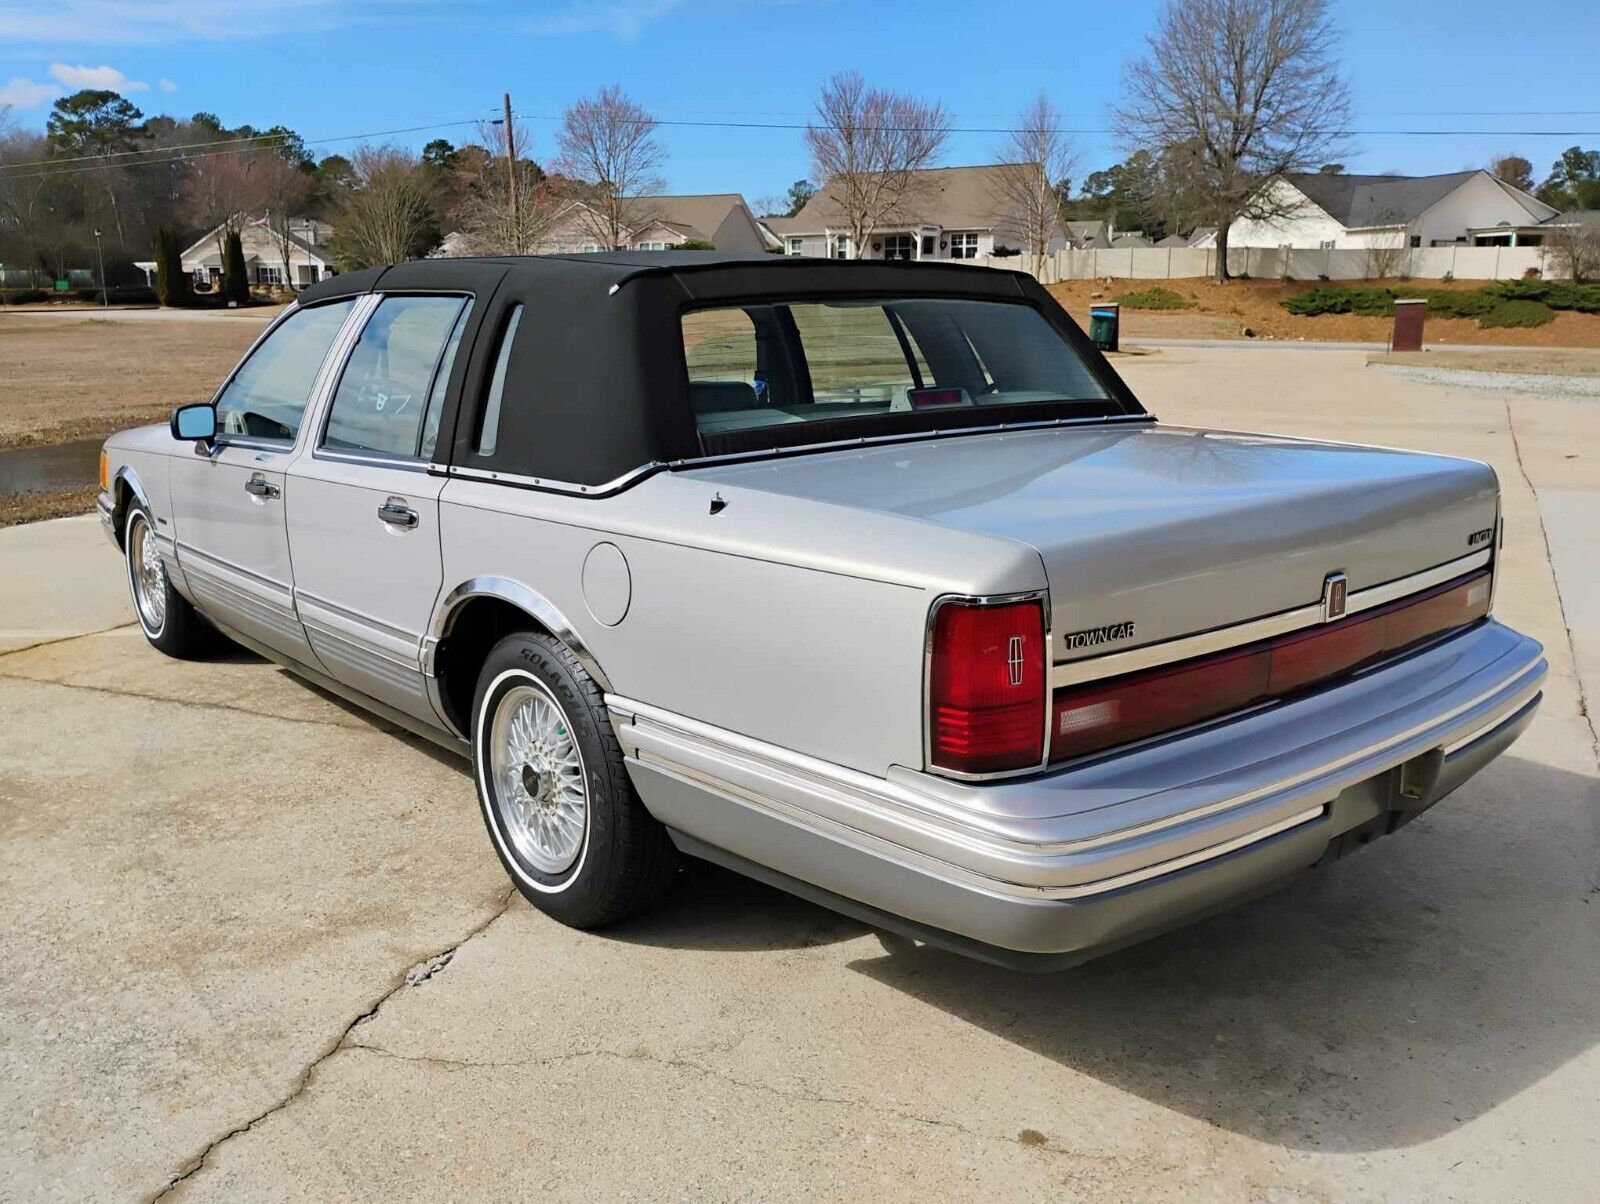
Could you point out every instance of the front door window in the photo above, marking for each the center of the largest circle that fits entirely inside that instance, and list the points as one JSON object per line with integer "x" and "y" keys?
{"x": 267, "y": 396}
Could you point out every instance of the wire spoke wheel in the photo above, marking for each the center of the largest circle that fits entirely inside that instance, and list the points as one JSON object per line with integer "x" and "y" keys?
{"x": 537, "y": 772}
{"x": 148, "y": 576}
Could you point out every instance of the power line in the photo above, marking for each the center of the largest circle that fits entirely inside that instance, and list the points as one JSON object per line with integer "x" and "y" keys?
{"x": 160, "y": 156}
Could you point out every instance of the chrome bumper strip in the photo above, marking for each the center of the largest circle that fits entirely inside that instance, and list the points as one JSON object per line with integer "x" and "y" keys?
{"x": 897, "y": 818}
{"x": 1071, "y": 673}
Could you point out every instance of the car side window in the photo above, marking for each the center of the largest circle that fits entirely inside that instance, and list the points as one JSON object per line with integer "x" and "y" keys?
{"x": 489, "y": 428}
{"x": 388, "y": 383}
{"x": 267, "y": 396}
{"x": 441, "y": 382}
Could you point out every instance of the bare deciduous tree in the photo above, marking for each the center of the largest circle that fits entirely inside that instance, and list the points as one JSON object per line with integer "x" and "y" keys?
{"x": 390, "y": 216}
{"x": 483, "y": 213}
{"x": 1575, "y": 240}
{"x": 868, "y": 144}
{"x": 286, "y": 192}
{"x": 223, "y": 190}
{"x": 1036, "y": 160}
{"x": 608, "y": 149}
{"x": 1252, "y": 88}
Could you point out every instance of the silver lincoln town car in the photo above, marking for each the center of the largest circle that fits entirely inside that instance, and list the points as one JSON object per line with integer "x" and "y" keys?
{"x": 872, "y": 581}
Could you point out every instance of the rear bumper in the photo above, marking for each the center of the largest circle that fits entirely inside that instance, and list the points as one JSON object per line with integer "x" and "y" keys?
{"x": 1052, "y": 869}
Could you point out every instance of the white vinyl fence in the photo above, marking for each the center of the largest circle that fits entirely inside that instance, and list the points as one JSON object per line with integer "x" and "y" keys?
{"x": 1278, "y": 263}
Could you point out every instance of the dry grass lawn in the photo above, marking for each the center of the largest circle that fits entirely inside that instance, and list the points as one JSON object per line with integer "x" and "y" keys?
{"x": 85, "y": 378}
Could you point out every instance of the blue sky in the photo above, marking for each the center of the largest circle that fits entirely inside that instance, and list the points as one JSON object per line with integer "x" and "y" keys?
{"x": 331, "y": 68}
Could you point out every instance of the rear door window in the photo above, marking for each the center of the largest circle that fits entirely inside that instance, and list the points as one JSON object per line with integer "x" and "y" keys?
{"x": 390, "y": 383}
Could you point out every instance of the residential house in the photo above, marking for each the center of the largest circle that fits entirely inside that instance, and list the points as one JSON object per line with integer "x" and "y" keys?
{"x": 948, "y": 213}
{"x": 1335, "y": 210}
{"x": 1088, "y": 233}
{"x": 1510, "y": 234}
{"x": 309, "y": 258}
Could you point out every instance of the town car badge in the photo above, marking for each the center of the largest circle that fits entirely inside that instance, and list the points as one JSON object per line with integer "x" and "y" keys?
{"x": 1110, "y": 633}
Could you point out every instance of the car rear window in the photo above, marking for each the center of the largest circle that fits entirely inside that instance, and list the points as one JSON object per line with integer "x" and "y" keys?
{"x": 808, "y": 371}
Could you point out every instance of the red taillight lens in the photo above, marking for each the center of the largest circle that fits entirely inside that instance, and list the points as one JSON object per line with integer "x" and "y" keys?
{"x": 986, "y": 687}
{"x": 1089, "y": 718}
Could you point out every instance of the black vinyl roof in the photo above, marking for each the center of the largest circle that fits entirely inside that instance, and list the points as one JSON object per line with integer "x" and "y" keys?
{"x": 596, "y": 387}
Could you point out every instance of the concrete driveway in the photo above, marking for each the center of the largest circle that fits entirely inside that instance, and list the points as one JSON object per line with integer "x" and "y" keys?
{"x": 257, "y": 946}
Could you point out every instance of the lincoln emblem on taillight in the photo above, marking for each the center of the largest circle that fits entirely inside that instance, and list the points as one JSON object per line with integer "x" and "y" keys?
{"x": 1335, "y": 594}
{"x": 1014, "y": 659}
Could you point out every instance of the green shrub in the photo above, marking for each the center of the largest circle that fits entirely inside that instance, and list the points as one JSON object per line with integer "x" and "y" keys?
{"x": 1518, "y": 313}
{"x": 1339, "y": 299}
{"x": 1155, "y": 298}
{"x": 1457, "y": 302}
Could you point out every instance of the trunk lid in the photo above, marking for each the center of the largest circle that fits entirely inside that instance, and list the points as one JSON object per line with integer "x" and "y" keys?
{"x": 1156, "y": 531}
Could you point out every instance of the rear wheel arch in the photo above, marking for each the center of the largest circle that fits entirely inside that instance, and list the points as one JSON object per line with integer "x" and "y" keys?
{"x": 471, "y": 619}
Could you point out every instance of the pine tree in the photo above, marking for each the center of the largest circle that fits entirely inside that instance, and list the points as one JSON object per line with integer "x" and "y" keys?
{"x": 173, "y": 286}
{"x": 235, "y": 276}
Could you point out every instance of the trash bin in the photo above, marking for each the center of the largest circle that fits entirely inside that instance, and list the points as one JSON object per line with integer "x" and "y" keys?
{"x": 1409, "y": 317}
{"x": 1103, "y": 323}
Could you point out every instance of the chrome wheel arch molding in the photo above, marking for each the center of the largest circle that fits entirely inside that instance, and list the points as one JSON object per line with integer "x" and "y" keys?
{"x": 526, "y": 599}
{"x": 125, "y": 475}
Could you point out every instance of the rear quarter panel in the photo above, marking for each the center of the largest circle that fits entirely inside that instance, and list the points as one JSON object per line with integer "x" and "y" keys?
{"x": 789, "y": 622}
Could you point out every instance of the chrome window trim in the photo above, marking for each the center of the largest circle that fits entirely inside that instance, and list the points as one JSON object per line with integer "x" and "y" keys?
{"x": 633, "y": 476}
{"x": 1114, "y": 664}
{"x": 1043, "y": 597}
{"x": 374, "y": 459}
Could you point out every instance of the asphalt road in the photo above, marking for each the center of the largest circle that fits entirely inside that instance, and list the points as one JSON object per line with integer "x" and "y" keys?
{"x": 257, "y": 946}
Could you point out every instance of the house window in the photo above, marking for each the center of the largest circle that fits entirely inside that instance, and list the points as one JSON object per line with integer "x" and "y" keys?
{"x": 1416, "y": 240}
{"x": 964, "y": 246}
{"x": 841, "y": 247}
{"x": 796, "y": 246}
{"x": 929, "y": 242}
{"x": 268, "y": 275}
{"x": 1326, "y": 244}
{"x": 589, "y": 248}
{"x": 652, "y": 246}
{"x": 897, "y": 246}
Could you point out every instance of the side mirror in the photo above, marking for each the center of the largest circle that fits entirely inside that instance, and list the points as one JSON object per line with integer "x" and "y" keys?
{"x": 197, "y": 423}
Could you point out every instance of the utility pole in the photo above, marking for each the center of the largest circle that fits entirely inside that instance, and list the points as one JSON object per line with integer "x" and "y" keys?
{"x": 511, "y": 175}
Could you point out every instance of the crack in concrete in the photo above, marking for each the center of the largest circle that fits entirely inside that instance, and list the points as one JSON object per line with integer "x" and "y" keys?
{"x": 719, "y": 1076}
{"x": 63, "y": 639}
{"x": 193, "y": 703}
{"x": 436, "y": 962}
{"x": 1561, "y": 602}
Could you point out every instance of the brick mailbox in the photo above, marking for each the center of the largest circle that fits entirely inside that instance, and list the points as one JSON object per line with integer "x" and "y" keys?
{"x": 1408, "y": 320}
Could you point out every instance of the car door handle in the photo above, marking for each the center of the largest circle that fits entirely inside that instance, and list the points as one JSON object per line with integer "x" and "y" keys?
{"x": 397, "y": 514}
{"x": 260, "y": 487}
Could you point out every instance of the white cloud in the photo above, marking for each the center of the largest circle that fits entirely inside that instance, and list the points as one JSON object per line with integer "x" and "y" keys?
{"x": 622, "y": 19}
{"x": 166, "y": 85}
{"x": 107, "y": 78}
{"x": 25, "y": 93}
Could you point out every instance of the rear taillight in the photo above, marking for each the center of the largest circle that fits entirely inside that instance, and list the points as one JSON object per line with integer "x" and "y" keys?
{"x": 986, "y": 687}
{"x": 1118, "y": 711}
